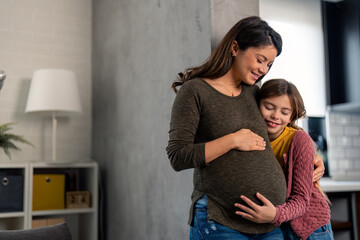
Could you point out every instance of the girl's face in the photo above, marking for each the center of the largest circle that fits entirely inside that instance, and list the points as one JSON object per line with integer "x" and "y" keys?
{"x": 252, "y": 63}
{"x": 277, "y": 112}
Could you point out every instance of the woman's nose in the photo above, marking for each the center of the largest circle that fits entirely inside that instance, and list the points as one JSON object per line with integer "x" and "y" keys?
{"x": 263, "y": 69}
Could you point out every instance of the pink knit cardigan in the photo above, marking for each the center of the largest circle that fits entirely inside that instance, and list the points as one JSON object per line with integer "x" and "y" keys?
{"x": 305, "y": 208}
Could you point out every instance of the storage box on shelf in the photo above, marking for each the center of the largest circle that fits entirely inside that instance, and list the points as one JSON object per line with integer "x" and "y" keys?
{"x": 11, "y": 190}
{"x": 42, "y": 185}
{"x": 13, "y": 207}
{"x": 48, "y": 191}
{"x": 44, "y": 222}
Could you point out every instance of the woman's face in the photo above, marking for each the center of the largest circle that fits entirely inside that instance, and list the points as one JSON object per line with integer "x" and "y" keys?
{"x": 252, "y": 63}
{"x": 276, "y": 112}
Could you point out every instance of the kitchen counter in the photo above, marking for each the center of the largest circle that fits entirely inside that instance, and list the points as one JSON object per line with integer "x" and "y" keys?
{"x": 330, "y": 185}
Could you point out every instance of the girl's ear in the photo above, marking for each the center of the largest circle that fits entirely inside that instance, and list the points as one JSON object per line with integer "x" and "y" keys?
{"x": 292, "y": 119}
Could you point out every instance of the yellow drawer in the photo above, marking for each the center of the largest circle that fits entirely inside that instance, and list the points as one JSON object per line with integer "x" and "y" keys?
{"x": 48, "y": 191}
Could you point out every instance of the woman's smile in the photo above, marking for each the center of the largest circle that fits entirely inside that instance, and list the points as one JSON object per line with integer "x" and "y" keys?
{"x": 256, "y": 76}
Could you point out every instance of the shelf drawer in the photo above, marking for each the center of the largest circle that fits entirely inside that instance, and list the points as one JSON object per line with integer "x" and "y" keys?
{"x": 11, "y": 192}
{"x": 48, "y": 191}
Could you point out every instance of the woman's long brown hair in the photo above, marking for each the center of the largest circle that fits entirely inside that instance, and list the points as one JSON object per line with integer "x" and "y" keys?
{"x": 248, "y": 32}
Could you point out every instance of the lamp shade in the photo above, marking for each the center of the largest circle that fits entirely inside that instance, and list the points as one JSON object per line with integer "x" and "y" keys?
{"x": 53, "y": 90}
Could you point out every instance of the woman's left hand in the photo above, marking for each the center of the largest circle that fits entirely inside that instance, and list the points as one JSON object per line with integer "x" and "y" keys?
{"x": 319, "y": 168}
{"x": 257, "y": 213}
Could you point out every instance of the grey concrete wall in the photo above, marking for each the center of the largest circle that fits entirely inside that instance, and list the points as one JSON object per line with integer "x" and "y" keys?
{"x": 138, "y": 48}
{"x": 224, "y": 14}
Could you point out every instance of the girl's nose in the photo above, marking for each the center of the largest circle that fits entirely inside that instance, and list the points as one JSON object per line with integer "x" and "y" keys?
{"x": 274, "y": 115}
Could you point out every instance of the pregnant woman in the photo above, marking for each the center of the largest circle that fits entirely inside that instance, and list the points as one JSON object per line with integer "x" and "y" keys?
{"x": 217, "y": 129}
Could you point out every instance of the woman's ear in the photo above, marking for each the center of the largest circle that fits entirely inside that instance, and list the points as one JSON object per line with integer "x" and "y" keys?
{"x": 234, "y": 48}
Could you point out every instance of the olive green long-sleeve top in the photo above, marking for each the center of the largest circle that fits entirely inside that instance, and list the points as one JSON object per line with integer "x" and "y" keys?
{"x": 201, "y": 114}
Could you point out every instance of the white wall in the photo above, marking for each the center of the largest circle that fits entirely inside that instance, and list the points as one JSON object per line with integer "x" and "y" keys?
{"x": 302, "y": 61}
{"x": 42, "y": 34}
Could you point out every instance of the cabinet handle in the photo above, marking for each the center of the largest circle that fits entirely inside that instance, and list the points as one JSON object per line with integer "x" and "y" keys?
{"x": 5, "y": 181}
{"x": 47, "y": 179}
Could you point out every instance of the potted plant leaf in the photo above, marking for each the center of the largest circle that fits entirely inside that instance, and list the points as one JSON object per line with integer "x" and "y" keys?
{"x": 7, "y": 139}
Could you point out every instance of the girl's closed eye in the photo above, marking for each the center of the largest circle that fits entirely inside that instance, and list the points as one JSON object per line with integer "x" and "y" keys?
{"x": 285, "y": 113}
{"x": 268, "y": 106}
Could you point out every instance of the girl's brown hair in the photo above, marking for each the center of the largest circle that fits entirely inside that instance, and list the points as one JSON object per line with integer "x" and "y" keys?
{"x": 278, "y": 87}
{"x": 248, "y": 32}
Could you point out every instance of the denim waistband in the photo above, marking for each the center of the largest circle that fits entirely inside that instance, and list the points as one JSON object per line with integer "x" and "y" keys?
{"x": 201, "y": 202}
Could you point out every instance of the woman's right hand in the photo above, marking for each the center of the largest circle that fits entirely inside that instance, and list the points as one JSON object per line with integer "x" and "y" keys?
{"x": 246, "y": 140}
{"x": 242, "y": 140}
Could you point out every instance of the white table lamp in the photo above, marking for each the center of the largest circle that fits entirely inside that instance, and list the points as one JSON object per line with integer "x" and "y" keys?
{"x": 53, "y": 91}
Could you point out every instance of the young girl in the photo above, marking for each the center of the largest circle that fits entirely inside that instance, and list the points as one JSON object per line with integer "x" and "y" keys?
{"x": 306, "y": 209}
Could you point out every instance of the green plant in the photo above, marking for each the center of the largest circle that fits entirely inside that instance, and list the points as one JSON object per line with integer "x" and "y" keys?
{"x": 7, "y": 139}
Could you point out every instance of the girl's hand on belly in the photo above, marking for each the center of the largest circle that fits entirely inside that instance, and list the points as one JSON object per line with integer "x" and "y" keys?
{"x": 255, "y": 212}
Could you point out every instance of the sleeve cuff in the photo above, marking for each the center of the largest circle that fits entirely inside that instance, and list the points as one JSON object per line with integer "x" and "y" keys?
{"x": 277, "y": 218}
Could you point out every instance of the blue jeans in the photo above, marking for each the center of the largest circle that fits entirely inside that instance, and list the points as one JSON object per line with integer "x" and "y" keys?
{"x": 322, "y": 233}
{"x": 205, "y": 229}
